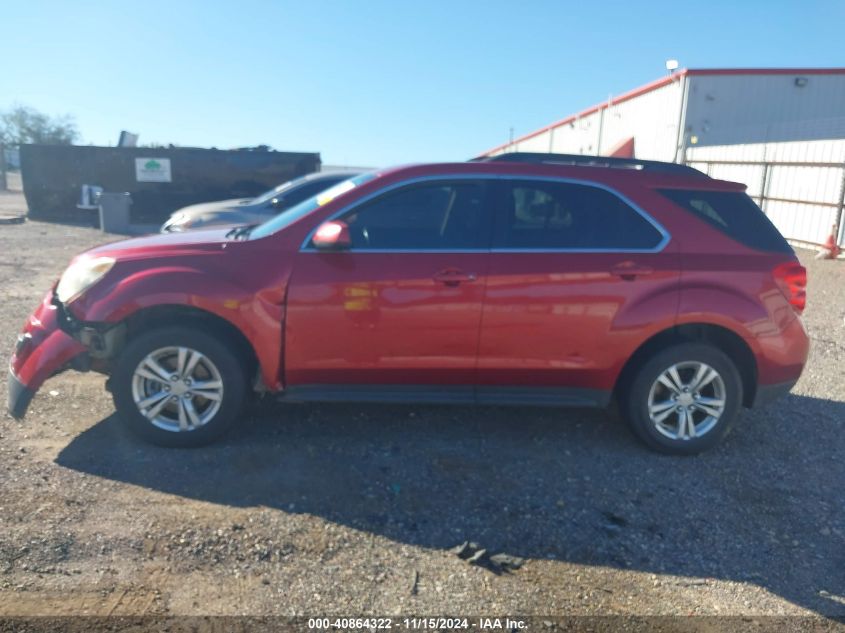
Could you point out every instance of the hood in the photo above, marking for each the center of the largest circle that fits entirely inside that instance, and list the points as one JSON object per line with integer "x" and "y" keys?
{"x": 210, "y": 207}
{"x": 164, "y": 244}
{"x": 246, "y": 214}
{"x": 223, "y": 212}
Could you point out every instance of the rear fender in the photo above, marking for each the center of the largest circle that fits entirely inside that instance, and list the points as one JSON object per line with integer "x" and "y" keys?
{"x": 764, "y": 320}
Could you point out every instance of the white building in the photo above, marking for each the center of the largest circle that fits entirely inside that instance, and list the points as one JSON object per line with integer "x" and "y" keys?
{"x": 748, "y": 125}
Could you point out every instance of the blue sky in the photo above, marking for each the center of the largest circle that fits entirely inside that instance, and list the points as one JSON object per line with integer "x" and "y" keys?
{"x": 375, "y": 82}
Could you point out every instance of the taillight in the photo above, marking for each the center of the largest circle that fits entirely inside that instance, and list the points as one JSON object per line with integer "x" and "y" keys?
{"x": 791, "y": 278}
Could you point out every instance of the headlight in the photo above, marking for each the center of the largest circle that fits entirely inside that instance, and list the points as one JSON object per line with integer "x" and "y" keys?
{"x": 81, "y": 275}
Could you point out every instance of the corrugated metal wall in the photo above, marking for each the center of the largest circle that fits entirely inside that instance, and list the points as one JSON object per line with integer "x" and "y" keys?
{"x": 651, "y": 118}
{"x": 723, "y": 109}
{"x": 799, "y": 185}
{"x": 766, "y": 129}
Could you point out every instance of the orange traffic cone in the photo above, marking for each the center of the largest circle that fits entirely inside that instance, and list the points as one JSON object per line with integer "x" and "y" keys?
{"x": 831, "y": 249}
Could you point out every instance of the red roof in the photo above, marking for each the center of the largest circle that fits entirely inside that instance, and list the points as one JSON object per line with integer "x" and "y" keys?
{"x": 663, "y": 81}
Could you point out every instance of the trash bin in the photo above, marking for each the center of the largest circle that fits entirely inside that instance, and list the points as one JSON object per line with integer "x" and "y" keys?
{"x": 114, "y": 212}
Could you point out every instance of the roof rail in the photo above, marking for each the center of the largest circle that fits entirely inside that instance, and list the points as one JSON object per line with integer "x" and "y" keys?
{"x": 592, "y": 161}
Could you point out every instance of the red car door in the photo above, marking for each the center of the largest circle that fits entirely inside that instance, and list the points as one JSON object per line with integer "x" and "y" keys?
{"x": 397, "y": 315}
{"x": 578, "y": 276}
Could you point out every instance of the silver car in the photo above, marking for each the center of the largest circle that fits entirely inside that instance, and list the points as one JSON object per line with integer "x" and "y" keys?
{"x": 253, "y": 210}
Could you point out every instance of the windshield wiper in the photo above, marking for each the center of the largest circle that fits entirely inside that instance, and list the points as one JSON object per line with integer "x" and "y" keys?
{"x": 241, "y": 232}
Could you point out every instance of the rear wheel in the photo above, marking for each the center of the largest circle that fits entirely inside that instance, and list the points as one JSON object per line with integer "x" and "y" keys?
{"x": 178, "y": 387}
{"x": 684, "y": 399}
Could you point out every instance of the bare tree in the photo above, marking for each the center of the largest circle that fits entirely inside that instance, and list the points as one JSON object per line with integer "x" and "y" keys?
{"x": 22, "y": 124}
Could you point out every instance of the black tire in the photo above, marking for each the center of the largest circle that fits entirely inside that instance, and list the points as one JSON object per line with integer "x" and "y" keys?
{"x": 224, "y": 359}
{"x": 634, "y": 399}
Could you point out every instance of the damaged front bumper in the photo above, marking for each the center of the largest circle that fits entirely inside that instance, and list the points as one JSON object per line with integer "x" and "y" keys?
{"x": 19, "y": 396}
{"x": 44, "y": 348}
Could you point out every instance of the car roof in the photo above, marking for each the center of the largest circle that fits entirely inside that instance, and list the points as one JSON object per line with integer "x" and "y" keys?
{"x": 587, "y": 160}
{"x": 590, "y": 173}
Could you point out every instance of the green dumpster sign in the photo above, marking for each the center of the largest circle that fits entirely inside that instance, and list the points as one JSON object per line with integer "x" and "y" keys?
{"x": 152, "y": 170}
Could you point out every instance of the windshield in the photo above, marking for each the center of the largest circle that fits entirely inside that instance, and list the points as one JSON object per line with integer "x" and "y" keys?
{"x": 296, "y": 212}
{"x": 269, "y": 195}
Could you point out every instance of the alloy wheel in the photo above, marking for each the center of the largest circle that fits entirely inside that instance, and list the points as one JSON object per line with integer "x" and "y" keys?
{"x": 177, "y": 388}
{"x": 686, "y": 400}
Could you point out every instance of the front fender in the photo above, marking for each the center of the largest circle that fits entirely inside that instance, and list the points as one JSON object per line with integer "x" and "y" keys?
{"x": 257, "y": 314}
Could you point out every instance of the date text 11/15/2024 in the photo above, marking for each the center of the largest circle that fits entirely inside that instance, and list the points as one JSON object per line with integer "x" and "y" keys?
{"x": 421, "y": 623}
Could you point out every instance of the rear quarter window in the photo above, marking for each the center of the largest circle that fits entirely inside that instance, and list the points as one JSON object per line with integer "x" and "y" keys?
{"x": 734, "y": 214}
{"x": 541, "y": 215}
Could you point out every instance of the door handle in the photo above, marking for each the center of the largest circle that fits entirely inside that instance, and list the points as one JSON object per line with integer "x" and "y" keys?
{"x": 452, "y": 277}
{"x": 629, "y": 270}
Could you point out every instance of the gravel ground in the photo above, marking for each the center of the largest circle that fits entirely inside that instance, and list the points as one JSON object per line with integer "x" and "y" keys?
{"x": 349, "y": 510}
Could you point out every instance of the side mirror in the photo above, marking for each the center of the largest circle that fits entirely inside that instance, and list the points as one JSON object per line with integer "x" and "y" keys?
{"x": 332, "y": 236}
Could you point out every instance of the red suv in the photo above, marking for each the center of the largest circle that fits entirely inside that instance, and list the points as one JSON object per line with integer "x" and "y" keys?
{"x": 526, "y": 279}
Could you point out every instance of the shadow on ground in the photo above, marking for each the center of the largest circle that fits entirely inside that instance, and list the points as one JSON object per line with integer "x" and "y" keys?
{"x": 765, "y": 507}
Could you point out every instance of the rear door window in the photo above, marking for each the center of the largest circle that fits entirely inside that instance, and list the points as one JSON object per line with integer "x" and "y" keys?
{"x": 734, "y": 214}
{"x": 549, "y": 215}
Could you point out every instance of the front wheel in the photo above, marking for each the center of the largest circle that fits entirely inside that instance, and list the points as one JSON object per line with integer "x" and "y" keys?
{"x": 178, "y": 387}
{"x": 684, "y": 399}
